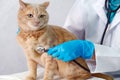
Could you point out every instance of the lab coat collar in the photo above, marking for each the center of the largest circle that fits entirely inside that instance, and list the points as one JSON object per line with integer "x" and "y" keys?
{"x": 100, "y": 9}
{"x": 116, "y": 19}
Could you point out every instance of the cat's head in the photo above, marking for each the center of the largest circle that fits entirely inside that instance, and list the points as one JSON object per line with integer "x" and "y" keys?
{"x": 32, "y": 17}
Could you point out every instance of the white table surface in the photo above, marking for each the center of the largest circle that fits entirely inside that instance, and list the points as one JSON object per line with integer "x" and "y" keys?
{"x": 21, "y": 76}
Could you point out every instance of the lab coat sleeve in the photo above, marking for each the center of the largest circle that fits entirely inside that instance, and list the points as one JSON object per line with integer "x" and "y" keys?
{"x": 107, "y": 58}
{"x": 75, "y": 19}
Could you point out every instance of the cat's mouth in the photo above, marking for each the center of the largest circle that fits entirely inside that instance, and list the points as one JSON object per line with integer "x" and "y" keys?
{"x": 38, "y": 24}
{"x": 35, "y": 26}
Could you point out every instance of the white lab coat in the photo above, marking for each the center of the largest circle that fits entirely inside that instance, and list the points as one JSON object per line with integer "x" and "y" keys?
{"x": 87, "y": 20}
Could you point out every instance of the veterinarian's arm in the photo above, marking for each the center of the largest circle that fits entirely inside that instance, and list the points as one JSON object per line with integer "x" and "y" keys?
{"x": 107, "y": 58}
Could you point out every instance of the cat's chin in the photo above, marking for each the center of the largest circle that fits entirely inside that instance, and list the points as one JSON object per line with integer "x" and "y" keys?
{"x": 36, "y": 28}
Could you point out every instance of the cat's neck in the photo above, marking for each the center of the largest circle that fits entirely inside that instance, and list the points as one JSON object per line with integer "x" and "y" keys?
{"x": 35, "y": 34}
{"x": 34, "y": 31}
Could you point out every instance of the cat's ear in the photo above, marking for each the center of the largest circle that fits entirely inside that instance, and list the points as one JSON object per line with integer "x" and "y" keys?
{"x": 22, "y": 4}
{"x": 45, "y": 5}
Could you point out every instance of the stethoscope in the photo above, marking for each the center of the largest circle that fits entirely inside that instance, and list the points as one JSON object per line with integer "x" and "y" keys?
{"x": 107, "y": 7}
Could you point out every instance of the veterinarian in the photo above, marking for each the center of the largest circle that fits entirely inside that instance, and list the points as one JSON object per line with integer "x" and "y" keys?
{"x": 97, "y": 25}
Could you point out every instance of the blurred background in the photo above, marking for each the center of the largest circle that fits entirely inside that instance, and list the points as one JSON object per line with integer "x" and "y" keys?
{"x": 12, "y": 59}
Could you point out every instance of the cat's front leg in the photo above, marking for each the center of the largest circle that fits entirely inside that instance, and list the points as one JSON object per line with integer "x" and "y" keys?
{"x": 50, "y": 69}
{"x": 32, "y": 66}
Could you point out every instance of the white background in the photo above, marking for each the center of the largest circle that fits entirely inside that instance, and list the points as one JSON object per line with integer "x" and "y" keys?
{"x": 12, "y": 58}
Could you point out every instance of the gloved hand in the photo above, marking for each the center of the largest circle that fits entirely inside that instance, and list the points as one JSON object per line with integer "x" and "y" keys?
{"x": 71, "y": 50}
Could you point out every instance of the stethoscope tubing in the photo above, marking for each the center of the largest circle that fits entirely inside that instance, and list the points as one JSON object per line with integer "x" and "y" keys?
{"x": 107, "y": 7}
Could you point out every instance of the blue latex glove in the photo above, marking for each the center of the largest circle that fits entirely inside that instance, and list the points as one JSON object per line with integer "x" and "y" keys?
{"x": 73, "y": 49}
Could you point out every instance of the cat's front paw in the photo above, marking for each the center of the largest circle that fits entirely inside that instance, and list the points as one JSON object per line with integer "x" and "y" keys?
{"x": 30, "y": 78}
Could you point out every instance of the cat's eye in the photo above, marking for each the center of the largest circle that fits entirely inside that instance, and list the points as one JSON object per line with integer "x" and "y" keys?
{"x": 30, "y": 15}
{"x": 41, "y": 16}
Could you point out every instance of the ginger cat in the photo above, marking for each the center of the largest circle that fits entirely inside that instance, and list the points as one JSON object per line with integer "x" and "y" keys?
{"x": 35, "y": 32}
